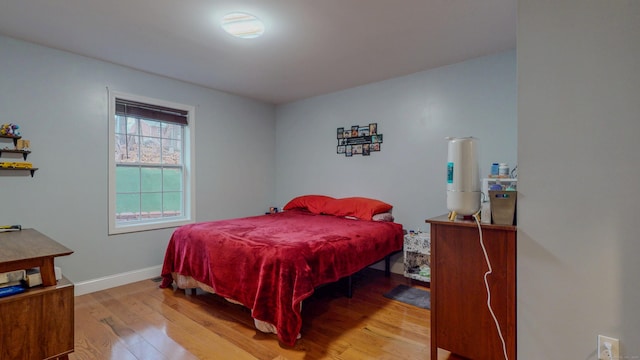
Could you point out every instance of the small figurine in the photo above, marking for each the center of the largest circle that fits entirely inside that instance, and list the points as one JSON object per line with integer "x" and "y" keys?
{"x": 10, "y": 130}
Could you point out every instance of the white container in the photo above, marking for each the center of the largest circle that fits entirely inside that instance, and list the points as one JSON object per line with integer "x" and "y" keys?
{"x": 503, "y": 169}
{"x": 463, "y": 180}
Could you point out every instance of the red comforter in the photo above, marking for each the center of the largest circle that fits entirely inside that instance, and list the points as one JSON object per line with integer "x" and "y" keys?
{"x": 271, "y": 263}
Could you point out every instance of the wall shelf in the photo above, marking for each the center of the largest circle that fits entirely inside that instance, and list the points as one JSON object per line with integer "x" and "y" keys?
{"x": 15, "y": 138}
{"x": 31, "y": 170}
{"x": 9, "y": 166}
{"x": 23, "y": 152}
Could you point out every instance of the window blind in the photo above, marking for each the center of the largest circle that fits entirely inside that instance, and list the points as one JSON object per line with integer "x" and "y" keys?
{"x": 153, "y": 112}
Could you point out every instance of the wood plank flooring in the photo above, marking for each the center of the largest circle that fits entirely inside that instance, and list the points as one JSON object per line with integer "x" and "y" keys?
{"x": 142, "y": 321}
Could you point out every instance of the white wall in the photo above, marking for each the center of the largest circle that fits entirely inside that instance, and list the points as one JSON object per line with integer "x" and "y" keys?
{"x": 60, "y": 101}
{"x": 578, "y": 128}
{"x": 414, "y": 113}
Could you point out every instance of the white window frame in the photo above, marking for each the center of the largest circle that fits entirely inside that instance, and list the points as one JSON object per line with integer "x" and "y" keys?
{"x": 188, "y": 173}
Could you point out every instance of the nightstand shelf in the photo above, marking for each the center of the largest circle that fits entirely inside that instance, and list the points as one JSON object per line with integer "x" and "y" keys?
{"x": 417, "y": 253}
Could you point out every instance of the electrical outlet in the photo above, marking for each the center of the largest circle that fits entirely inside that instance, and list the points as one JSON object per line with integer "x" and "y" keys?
{"x": 608, "y": 348}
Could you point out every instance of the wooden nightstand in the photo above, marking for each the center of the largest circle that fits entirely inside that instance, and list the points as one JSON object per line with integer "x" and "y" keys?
{"x": 460, "y": 320}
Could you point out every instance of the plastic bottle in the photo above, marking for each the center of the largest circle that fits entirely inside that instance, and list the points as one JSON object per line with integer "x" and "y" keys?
{"x": 495, "y": 169}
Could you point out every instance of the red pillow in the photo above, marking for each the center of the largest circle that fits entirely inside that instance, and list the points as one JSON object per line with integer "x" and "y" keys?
{"x": 311, "y": 203}
{"x": 360, "y": 207}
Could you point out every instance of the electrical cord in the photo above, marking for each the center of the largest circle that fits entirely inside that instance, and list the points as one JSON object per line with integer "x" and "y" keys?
{"x": 486, "y": 284}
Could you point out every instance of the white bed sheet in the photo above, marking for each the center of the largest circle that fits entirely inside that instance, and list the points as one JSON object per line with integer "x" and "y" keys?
{"x": 187, "y": 282}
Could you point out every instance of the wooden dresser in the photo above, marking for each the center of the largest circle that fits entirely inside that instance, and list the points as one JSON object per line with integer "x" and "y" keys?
{"x": 38, "y": 323}
{"x": 460, "y": 320}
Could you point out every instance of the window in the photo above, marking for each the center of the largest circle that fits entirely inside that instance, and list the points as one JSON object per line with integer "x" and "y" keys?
{"x": 150, "y": 172}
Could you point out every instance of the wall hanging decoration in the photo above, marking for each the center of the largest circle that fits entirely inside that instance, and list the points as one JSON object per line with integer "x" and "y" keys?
{"x": 359, "y": 140}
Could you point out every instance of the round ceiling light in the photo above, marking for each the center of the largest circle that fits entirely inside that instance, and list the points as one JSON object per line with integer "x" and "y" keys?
{"x": 243, "y": 25}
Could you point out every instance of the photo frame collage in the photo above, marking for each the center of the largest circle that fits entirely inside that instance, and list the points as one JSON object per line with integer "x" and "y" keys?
{"x": 359, "y": 140}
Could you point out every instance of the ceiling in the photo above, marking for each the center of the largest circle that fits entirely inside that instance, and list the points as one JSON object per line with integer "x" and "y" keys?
{"x": 310, "y": 47}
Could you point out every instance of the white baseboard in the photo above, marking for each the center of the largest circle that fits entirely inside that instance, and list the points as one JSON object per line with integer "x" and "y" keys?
{"x": 107, "y": 282}
{"x": 89, "y": 286}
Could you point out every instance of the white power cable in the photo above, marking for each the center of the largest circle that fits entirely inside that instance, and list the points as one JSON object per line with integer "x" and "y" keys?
{"x": 486, "y": 284}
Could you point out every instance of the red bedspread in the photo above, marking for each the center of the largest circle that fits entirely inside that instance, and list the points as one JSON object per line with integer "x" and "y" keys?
{"x": 271, "y": 263}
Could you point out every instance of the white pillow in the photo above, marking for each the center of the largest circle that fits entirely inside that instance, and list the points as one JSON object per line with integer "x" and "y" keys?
{"x": 386, "y": 216}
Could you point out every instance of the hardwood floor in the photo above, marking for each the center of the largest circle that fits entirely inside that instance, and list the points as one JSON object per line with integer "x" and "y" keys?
{"x": 142, "y": 321}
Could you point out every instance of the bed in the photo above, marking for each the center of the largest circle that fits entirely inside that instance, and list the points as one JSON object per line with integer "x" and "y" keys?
{"x": 271, "y": 263}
